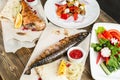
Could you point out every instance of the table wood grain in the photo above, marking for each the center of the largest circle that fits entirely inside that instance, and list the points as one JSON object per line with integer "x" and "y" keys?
{"x": 13, "y": 64}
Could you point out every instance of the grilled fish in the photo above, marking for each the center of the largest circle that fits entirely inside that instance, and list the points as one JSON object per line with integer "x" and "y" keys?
{"x": 30, "y": 19}
{"x": 57, "y": 50}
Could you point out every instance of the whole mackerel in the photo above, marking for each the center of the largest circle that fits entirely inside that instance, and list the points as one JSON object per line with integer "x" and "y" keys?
{"x": 57, "y": 50}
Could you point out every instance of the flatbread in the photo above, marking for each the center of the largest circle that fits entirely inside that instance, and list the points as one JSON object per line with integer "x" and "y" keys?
{"x": 10, "y": 10}
{"x": 16, "y": 38}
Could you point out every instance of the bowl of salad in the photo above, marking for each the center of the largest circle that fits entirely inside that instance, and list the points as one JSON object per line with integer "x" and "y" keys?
{"x": 72, "y": 13}
{"x": 105, "y": 51}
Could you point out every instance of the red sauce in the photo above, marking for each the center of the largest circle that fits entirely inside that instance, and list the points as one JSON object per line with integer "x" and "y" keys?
{"x": 39, "y": 78}
{"x": 76, "y": 54}
{"x": 30, "y": 0}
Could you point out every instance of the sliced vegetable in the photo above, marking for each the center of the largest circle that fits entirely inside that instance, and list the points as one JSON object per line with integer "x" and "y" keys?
{"x": 107, "y": 35}
{"x": 105, "y": 69}
{"x": 60, "y": 9}
{"x": 98, "y": 58}
{"x": 115, "y": 34}
{"x": 106, "y": 60}
{"x": 116, "y": 37}
{"x": 65, "y": 16}
{"x": 114, "y": 31}
{"x": 75, "y": 16}
{"x": 100, "y": 35}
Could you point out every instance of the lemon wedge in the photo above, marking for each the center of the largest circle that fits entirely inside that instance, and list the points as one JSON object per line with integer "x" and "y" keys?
{"x": 18, "y": 21}
{"x": 62, "y": 68}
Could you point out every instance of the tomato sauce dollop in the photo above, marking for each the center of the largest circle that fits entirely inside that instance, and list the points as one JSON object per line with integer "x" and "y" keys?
{"x": 39, "y": 78}
{"x": 30, "y": 0}
{"x": 76, "y": 54}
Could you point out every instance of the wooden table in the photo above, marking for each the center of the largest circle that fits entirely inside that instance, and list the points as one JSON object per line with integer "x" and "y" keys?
{"x": 13, "y": 64}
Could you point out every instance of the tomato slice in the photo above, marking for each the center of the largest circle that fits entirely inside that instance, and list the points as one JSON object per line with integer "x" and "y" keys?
{"x": 114, "y": 31}
{"x": 100, "y": 35}
{"x": 60, "y": 9}
{"x": 115, "y": 34}
{"x": 116, "y": 37}
{"x": 75, "y": 15}
{"x": 98, "y": 58}
{"x": 65, "y": 16}
{"x": 107, "y": 35}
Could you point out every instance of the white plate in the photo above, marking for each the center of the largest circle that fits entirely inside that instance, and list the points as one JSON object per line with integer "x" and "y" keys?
{"x": 96, "y": 70}
{"x": 92, "y": 13}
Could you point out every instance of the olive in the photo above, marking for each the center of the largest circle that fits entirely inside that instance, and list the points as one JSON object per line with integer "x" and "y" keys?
{"x": 104, "y": 45}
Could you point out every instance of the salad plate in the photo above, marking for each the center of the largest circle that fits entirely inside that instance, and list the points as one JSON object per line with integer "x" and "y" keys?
{"x": 98, "y": 73}
{"x": 92, "y": 11}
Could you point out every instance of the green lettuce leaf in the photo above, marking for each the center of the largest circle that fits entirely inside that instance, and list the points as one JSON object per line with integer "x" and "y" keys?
{"x": 100, "y": 29}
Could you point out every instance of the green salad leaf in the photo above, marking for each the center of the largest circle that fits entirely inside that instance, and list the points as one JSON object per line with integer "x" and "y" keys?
{"x": 113, "y": 62}
{"x": 100, "y": 29}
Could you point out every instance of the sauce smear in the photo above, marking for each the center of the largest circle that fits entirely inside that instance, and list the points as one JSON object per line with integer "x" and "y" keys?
{"x": 76, "y": 54}
{"x": 30, "y": 0}
{"x": 39, "y": 78}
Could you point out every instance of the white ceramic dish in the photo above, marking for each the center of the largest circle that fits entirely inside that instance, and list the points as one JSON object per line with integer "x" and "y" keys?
{"x": 92, "y": 13}
{"x": 79, "y": 60}
{"x": 96, "y": 70}
{"x": 32, "y": 3}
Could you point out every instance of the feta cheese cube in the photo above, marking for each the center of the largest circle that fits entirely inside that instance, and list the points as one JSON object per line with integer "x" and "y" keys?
{"x": 76, "y": 3}
{"x": 67, "y": 10}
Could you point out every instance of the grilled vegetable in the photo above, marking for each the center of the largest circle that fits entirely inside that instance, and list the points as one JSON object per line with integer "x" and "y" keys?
{"x": 57, "y": 50}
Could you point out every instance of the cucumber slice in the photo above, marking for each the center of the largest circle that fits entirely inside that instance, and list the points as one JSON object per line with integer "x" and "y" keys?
{"x": 105, "y": 69}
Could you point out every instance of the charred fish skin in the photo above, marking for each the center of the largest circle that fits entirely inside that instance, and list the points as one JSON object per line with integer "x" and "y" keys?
{"x": 57, "y": 50}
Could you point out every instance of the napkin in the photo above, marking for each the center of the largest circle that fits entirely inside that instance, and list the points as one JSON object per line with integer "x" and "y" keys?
{"x": 15, "y": 39}
{"x": 2, "y": 3}
{"x": 54, "y": 34}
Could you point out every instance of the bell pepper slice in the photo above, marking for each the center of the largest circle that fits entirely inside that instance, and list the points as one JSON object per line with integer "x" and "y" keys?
{"x": 65, "y": 16}
{"x": 75, "y": 15}
{"x": 98, "y": 58}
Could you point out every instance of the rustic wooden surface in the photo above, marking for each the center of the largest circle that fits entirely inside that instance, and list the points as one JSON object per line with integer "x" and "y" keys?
{"x": 13, "y": 64}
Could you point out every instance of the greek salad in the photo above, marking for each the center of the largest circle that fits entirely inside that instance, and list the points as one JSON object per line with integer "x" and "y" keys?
{"x": 67, "y": 8}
